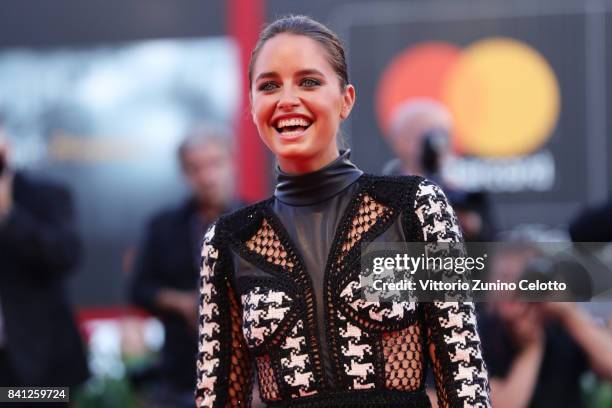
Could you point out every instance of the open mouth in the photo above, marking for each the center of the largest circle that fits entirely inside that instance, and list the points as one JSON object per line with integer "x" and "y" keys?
{"x": 292, "y": 126}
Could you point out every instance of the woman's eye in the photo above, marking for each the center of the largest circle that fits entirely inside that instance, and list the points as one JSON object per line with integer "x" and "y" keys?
{"x": 267, "y": 86}
{"x": 309, "y": 82}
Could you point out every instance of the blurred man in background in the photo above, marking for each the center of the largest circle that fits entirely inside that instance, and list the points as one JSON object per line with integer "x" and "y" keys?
{"x": 39, "y": 341}
{"x": 537, "y": 352}
{"x": 167, "y": 270}
{"x": 420, "y": 136}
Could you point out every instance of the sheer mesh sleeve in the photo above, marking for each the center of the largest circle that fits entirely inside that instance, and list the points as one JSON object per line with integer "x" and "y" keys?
{"x": 224, "y": 369}
{"x": 452, "y": 338}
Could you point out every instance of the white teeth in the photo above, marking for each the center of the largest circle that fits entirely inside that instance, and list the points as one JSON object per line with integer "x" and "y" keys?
{"x": 292, "y": 122}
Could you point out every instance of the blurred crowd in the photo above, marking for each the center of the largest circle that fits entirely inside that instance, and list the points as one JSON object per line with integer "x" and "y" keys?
{"x": 536, "y": 352}
{"x": 539, "y": 354}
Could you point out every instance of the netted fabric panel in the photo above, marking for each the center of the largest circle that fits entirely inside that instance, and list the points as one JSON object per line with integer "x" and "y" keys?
{"x": 266, "y": 243}
{"x": 438, "y": 371}
{"x": 241, "y": 370}
{"x": 368, "y": 214}
{"x": 268, "y": 388}
{"x": 403, "y": 353}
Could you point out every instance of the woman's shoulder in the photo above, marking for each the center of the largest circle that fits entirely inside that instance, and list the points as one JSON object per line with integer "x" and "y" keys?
{"x": 241, "y": 224}
{"x": 399, "y": 189}
{"x": 393, "y": 184}
{"x": 391, "y": 179}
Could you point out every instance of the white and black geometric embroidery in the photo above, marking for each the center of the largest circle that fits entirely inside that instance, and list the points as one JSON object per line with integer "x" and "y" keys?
{"x": 438, "y": 220}
{"x": 209, "y": 329}
{"x": 457, "y": 345}
{"x": 356, "y": 348}
{"x": 296, "y": 362}
{"x": 386, "y": 311}
{"x": 263, "y": 310}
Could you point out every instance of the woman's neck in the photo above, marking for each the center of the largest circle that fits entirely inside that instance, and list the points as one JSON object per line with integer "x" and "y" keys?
{"x": 317, "y": 186}
{"x": 307, "y": 165}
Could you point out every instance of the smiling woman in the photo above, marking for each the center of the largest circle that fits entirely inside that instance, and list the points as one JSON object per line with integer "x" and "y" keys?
{"x": 298, "y": 101}
{"x": 280, "y": 279}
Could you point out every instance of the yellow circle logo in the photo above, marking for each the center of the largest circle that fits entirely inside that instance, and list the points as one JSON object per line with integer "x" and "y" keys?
{"x": 503, "y": 95}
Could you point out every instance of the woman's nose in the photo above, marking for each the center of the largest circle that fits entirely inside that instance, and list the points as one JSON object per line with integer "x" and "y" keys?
{"x": 288, "y": 100}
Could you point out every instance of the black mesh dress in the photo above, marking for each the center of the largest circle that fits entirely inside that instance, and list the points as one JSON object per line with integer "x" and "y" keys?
{"x": 279, "y": 294}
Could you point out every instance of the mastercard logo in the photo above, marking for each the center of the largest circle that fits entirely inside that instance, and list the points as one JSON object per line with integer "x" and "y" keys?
{"x": 502, "y": 94}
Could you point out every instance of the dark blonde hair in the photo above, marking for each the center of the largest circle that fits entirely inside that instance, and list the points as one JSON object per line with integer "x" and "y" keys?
{"x": 306, "y": 26}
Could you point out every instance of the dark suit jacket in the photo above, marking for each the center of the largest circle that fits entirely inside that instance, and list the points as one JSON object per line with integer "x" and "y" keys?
{"x": 38, "y": 248}
{"x": 167, "y": 260}
{"x": 170, "y": 258}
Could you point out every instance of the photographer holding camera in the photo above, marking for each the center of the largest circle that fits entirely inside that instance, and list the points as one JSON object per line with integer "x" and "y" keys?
{"x": 420, "y": 134}
{"x": 39, "y": 341}
{"x": 537, "y": 352}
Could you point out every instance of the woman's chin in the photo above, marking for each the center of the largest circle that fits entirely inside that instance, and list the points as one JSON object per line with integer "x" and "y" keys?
{"x": 296, "y": 159}
{"x": 293, "y": 151}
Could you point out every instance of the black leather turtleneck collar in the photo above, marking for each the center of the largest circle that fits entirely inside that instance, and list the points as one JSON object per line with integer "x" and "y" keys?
{"x": 318, "y": 186}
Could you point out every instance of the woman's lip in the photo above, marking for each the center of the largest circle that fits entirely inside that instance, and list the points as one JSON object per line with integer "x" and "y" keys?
{"x": 289, "y": 117}
{"x": 291, "y": 136}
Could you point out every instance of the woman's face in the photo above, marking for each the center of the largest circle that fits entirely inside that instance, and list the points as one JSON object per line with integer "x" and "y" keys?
{"x": 297, "y": 102}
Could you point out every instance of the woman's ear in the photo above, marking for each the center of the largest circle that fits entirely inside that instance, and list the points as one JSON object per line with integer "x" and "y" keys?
{"x": 348, "y": 100}
{"x": 251, "y": 107}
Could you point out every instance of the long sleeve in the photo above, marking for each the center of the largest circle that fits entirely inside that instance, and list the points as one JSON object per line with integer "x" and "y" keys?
{"x": 224, "y": 369}
{"x": 452, "y": 336}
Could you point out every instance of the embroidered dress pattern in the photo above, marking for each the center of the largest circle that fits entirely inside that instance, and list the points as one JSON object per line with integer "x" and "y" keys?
{"x": 264, "y": 309}
{"x": 296, "y": 362}
{"x": 359, "y": 364}
{"x": 454, "y": 343}
{"x": 209, "y": 345}
{"x": 378, "y": 352}
{"x": 224, "y": 366}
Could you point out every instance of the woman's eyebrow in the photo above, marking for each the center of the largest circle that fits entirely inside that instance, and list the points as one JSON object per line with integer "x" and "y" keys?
{"x": 309, "y": 71}
{"x": 302, "y": 72}
{"x": 263, "y": 75}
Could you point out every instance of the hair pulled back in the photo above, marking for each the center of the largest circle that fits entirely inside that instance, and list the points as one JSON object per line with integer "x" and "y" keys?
{"x": 306, "y": 26}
